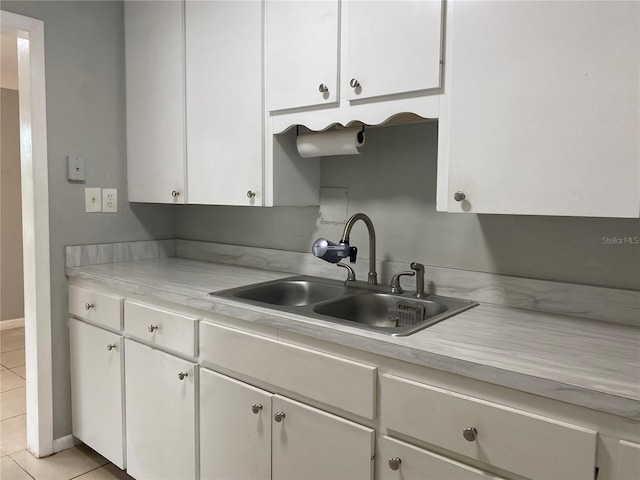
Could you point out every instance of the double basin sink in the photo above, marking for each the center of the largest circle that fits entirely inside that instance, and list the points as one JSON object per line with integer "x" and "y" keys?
{"x": 367, "y": 307}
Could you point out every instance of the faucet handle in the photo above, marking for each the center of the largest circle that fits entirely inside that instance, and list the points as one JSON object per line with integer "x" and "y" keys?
{"x": 353, "y": 253}
{"x": 351, "y": 274}
{"x": 395, "y": 281}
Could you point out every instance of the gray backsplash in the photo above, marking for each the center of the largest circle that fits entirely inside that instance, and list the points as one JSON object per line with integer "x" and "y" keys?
{"x": 394, "y": 182}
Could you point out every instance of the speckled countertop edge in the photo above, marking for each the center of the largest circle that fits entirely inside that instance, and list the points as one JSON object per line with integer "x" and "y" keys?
{"x": 582, "y": 362}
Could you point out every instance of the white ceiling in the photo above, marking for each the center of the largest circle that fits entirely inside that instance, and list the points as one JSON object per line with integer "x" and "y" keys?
{"x": 8, "y": 62}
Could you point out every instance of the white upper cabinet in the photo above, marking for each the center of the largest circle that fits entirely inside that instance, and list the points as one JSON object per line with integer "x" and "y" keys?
{"x": 224, "y": 102}
{"x": 540, "y": 112}
{"x": 391, "y": 47}
{"x": 331, "y": 62}
{"x": 301, "y": 45}
{"x": 154, "y": 36}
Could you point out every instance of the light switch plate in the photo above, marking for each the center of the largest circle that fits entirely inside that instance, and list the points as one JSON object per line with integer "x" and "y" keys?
{"x": 75, "y": 168}
{"x": 109, "y": 200}
{"x": 92, "y": 200}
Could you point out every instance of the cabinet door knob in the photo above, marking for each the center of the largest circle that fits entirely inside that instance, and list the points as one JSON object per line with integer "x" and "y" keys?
{"x": 111, "y": 346}
{"x": 278, "y": 416}
{"x": 322, "y": 88}
{"x": 251, "y": 194}
{"x": 354, "y": 83}
{"x": 152, "y": 328}
{"x": 182, "y": 375}
{"x": 256, "y": 407}
{"x": 175, "y": 194}
{"x": 470, "y": 434}
{"x": 459, "y": 196}
{"x": 89, "y": 306}
{"x": 394, "y": 463}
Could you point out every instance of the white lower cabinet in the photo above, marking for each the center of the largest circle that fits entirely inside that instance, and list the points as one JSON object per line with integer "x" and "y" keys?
{"x": 402, "y": 461}
{"x": 235, "y": 429}
{"x": 628, "y": 460}
{"x": 311, "y": 444}
{"x": 161, "y": 414}
{"x": 248, "y": 433}
{"x": 97, "y": 398}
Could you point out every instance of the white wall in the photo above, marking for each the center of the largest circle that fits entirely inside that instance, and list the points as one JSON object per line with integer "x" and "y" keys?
{"x": 394, "y": 182}
{"x": 84, "y": 55}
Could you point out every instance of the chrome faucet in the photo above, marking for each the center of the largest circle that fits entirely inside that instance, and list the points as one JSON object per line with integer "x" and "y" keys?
{"x": 419, "y": 269}
{"x": 333, "y": 253}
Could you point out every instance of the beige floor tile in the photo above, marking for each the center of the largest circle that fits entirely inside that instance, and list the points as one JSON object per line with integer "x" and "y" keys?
{"x": 10, "y": 381}
{"x": 3, "y": 453}
{"x": 1, "y": 367}
{"x": 10, "y": 340}
{"x": 61, "y": 466}
{"x": 13, "y": 434}
{"x": 12, "y": 359}
{"x": 21, "y": 371}
{"x": 10, "y": 470}
{"x": 108, "y": 472}
{"x": 12, "y": 403}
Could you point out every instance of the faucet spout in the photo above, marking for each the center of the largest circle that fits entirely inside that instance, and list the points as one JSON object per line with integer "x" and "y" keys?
{"x": 372, "y": 278}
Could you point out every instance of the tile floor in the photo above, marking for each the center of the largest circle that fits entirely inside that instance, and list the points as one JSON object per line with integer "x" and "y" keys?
{"x": 16, "y": 463}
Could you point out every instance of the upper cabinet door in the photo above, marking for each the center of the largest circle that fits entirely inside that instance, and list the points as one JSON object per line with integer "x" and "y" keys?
{"x": 224, "y": 102}
{"x": 392, "y": 47}
{"x": 301, "y": 53}
{"x": 154, "y": 36}
{"x": 540, "y": 114}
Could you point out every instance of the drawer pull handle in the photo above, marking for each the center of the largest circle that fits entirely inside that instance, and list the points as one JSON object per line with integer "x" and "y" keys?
{"x": 152, "y": 328}
{"x": 256, "y": 407}
{"x": 459, "y": 196}
{"x": 394, "y": 463}
{"x": 111, "y": 346}
{"x": 89, "y": 306}
{"x": 175, "y": 194}
{"x": 354, "y": 83}
{"x": 182, "y": 375}
{"x": 470, "y": 434}
{"x": 278, "y": 417}
{"x": 322, "y": 88}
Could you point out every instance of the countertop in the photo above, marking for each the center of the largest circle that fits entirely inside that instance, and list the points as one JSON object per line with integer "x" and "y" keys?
{"x": 583, "y": 362}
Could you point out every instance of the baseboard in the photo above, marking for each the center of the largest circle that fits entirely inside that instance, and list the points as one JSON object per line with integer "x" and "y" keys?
{"x": 63, "y": 443}
{"x": 14, "y": 323}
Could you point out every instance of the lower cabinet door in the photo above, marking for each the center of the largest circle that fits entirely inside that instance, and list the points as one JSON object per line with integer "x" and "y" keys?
{"x": 628, "y": 460}
{"x": 308, "y": 443}
{"x": 402, "y": 461}
{"x": 161, "y": 414}
{"x": 97, "y": 400}
{"x": 235, "y": 429}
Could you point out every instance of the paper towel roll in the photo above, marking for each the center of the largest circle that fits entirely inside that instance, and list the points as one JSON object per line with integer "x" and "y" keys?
{"x": 331, "y": 142}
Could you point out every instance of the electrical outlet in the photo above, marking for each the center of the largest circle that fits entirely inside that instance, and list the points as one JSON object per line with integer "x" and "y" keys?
{"x": 109, "y": 200}
{"x": 92, "y": 200}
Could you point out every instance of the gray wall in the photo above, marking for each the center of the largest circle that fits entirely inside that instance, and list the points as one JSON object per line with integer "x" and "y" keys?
{"x": 394, "y": 182}
{"x": 84, "y": 54}
{"x": 11, "y": 278}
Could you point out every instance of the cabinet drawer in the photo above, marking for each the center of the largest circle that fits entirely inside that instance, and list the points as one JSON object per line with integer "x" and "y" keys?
{"x": 335, "y": 381}
{"x": 161, "y": 328}
{"x": 524, "y": 443}
{"x": 418, "y": 464}
{"x": 105, "y": 310}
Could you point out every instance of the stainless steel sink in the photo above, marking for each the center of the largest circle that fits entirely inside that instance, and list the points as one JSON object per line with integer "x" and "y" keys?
{"x": 395, "y": 314}
{"x": 292, "y": 292}
{"x": 365, "y": 306}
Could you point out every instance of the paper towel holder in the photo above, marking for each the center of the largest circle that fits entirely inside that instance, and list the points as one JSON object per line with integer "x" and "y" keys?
{"x": 360, "y": 133}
